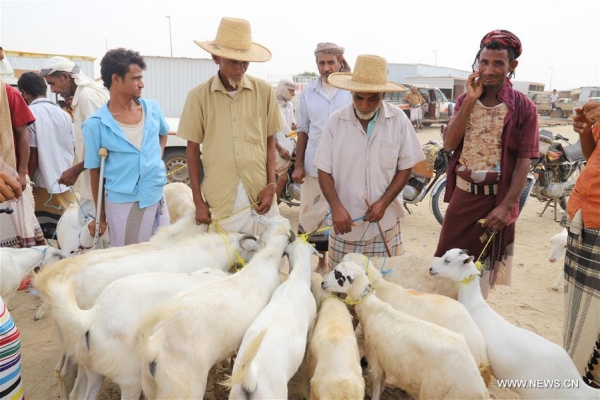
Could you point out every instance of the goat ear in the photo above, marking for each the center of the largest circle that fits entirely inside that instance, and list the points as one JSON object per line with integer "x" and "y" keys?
{"x": 469, "y": 260}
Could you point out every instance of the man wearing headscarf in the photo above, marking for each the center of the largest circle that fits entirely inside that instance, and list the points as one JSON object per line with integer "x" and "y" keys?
{"x": 316, "y": 103}
{"x": 66, "y": 79}
{"x": 284, "y": 91}
{"x": 494, "y": 136}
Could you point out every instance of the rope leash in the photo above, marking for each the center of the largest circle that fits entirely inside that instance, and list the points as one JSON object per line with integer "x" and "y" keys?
{"x": 177, "y": 169}
{"x": 215, "y": 223}
{"x": 478, "y": 264}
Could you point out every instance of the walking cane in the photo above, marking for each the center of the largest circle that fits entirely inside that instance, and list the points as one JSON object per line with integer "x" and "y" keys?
{"x": 103, "y": 153}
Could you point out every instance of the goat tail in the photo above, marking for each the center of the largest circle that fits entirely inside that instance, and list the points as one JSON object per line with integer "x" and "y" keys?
{"x": 45, "y": 279}
{"x": 243, "y": 375}
{"x": 73, "y": 322}
{"x": 486, "y": 373}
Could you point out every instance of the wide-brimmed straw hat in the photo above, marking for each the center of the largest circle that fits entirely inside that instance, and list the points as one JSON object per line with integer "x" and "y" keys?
{"x": 234, "y": 41}
{"x": 369, "y": 76}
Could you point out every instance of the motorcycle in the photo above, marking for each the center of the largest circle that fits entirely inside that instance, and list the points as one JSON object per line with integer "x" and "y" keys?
{"x": 555, "y": 172}
{"x": 429, "y": 176}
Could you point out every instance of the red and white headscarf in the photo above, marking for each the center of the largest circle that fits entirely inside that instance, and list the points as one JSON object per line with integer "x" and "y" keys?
{"x": 505, "y": 38}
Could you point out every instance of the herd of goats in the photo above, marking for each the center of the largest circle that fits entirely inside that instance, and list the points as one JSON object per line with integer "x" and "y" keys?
{"x": 156, "y": 317}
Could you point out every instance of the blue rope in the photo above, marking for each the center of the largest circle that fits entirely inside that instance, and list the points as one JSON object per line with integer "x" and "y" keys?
{"x": 59, "y": 207}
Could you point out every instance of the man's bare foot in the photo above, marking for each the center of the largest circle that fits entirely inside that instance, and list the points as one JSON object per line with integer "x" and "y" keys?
{"x": 322, "y": 268}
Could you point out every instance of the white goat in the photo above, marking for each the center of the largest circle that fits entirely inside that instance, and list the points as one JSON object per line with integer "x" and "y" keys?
{"x": 437, "y": 309}
{"x": 180, "y": 202}
{"x": 181, "y": 340}
{"x": 333, "y": 356}
{"x": 16, "y": 264}
{"x": 424, "y": 359}
{"x": 514, "y": 353}
{"x": 92, "y": 272}
{"x": 105, "y": 334}
{"x": 274, "y": 345}
{"x": 411, "y": 271}
{"x": 558, "y": 249}
{"x": 72, "y": 235}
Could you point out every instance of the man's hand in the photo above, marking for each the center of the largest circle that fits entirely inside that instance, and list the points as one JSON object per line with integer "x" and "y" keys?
{"x": 92, "y": 227}
{"x": 283, "y": 153}
{"x": 474, "y": 85}
{"x": 10, "y": 188}
{"x": 342, "y": 221}
{"x": 592, "y": 111}
{"x": 299, "y": 174}
{"x": 265, "y": 199}
{"x": 497, "y": 218}
{"x": 375, "y": 212}
{"x": 69, "y": 176}
{"x": 203, "y": 214}
{"x": 22, "y": 181}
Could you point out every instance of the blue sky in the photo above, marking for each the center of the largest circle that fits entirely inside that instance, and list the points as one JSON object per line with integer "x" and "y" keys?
{"x": 560, "y": 38}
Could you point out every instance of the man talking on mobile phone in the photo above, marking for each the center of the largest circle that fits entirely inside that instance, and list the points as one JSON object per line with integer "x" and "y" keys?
{"x": 494, "y": 136}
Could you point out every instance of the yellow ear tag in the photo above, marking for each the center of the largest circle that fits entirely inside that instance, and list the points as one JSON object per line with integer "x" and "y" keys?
{"x": 481, "y": 222}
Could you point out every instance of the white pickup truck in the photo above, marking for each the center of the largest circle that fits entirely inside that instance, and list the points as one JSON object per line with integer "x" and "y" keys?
{"x": 174, "y": 157}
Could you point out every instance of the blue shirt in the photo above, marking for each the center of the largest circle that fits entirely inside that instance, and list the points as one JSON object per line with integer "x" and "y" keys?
{"x": 132, "y": 175}
{"x": 312, "y": 111}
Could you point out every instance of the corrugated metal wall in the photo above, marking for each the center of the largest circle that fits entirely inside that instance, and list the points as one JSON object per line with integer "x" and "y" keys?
{"x": 168, "y": 80}
{"x": 34, "y": 63}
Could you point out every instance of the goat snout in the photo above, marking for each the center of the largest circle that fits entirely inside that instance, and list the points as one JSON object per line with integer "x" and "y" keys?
{"x": 552, "y": 259}
{"x": 324, "y": 285}
{"x": 432, "y": 272}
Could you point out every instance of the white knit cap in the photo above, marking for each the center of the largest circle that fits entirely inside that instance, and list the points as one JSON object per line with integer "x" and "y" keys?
{"x": 59, "y": 63}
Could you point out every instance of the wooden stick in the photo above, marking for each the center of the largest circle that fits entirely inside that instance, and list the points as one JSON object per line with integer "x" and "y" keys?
{"x": 387, "y": 249}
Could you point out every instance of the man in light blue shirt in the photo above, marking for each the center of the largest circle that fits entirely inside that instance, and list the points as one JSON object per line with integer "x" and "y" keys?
{"x": 134, "y": 132}
{"x": 316, "y": 103}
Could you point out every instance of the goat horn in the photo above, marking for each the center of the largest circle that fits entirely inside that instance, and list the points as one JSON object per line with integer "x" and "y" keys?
{"x": 247, "y": 236}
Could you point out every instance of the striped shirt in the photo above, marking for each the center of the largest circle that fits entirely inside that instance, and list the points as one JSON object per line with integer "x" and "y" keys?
{"x": 10, "y": 357}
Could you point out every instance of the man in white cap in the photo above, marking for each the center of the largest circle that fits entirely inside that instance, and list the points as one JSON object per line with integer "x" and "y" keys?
{"x": 365, "y": 156}
{"x": 235, "y": 117}
{"x": 285, "y": 91}
{"x": 86, "y": 96}
{"x": 316, "y": 103}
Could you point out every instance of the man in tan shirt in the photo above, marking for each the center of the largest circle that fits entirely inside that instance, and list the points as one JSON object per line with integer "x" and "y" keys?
{"x": 415, "y": 100}
{"x": 234, "y": 117}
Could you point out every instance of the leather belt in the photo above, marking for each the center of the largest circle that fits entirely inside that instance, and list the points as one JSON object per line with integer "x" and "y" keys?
{"x": 486, "y": 190}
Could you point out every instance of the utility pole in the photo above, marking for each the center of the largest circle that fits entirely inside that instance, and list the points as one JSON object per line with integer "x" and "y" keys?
{"x": 435, "y": 51}
{"x": 170, "y": 37}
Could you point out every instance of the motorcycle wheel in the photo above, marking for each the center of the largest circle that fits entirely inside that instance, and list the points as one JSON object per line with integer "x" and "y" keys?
{"x": 437, "y": 204}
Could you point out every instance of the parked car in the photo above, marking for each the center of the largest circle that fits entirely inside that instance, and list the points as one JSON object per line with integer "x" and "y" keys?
{"x": 175, "y": 158}
{"x": 438, "y": 110}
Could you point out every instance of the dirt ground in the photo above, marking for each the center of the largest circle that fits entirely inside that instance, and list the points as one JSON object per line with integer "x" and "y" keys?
{"x": 529, "y": 303}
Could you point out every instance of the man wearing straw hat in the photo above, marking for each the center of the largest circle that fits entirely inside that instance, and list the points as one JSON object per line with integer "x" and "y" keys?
{"x": 316, "y": 103}
{"x": 234, "y": 116}
{"x": 364, "y": 159}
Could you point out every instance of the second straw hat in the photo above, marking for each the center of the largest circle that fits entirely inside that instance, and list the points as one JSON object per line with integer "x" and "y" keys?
{"x": 369, "y": 76}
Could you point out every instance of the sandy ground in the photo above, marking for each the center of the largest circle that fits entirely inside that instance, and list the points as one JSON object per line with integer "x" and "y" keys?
{"x": 529, "y": 303}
